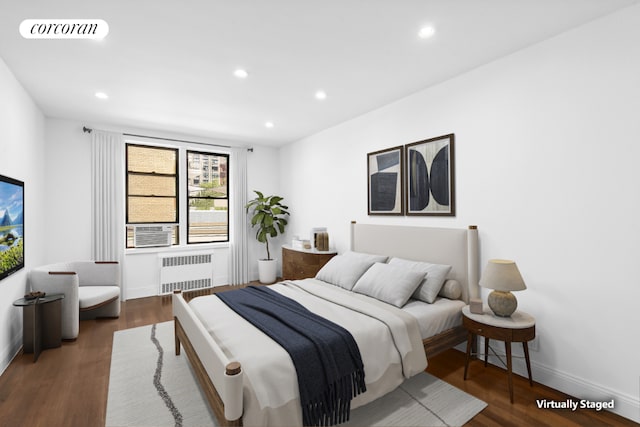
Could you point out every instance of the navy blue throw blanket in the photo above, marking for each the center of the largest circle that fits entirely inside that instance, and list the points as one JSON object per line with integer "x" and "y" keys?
{"x": 325, "y": 355}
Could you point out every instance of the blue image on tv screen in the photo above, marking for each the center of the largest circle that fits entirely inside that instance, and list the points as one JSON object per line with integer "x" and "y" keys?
{"x": 11, "y": 226}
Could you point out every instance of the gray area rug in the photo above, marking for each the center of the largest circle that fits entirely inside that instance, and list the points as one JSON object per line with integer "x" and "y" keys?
{"x": 150, "y": 386}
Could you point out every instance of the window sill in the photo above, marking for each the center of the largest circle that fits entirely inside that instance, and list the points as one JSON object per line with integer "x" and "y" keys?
{"x": 179, "y": 248}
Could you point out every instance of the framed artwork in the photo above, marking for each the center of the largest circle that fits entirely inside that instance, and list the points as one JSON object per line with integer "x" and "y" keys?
{"x": 385, "y": 174}
{"x": 430, "y": 177}
{"x": 11, "y": 226}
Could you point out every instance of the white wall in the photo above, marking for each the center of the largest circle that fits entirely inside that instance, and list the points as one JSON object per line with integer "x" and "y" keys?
{"x": 68, "y": 202}
{"x": 546, "y": 159}
{"x": 68, "y": 196}
{"x": 22, "y": 153}
{"x": 263, "y": 166}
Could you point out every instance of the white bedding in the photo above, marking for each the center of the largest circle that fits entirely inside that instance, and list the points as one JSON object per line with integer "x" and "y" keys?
{"x": 391, "y": 349}
{"x": 434, "y": 318}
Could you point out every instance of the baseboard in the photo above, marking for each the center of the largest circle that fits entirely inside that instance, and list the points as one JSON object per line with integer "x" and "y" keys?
{"x": 145, "y": 292}
{"x": 10, "y": 353}
{"x": 625, "y": 405}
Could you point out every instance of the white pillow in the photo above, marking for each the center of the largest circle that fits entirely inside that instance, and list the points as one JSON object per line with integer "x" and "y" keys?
{"x": 390, "y": 284}
{"x": 452, "y": 289}
{"x": 367, "y": 257}
{"x": 343, "y": 271}
{"x": 435, "y": 275}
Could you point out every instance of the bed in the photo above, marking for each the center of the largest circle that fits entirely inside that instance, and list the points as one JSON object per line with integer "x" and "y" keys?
{"x": 237, "y": 395}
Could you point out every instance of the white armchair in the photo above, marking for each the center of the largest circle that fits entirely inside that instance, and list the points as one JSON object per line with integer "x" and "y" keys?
{"x": 91, "y": 289}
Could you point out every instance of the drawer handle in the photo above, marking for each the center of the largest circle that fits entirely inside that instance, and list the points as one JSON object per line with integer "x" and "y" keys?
{"x": 479, "y": 329}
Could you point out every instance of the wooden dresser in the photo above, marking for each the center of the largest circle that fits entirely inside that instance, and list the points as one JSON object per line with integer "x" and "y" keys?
{"x": 303, "y": 263}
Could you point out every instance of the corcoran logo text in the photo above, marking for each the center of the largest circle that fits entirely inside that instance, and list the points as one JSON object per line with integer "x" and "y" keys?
{"x": 64, "y": 29}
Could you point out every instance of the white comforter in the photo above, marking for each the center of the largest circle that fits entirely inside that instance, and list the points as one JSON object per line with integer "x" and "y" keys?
{"x": 389, "y": 342}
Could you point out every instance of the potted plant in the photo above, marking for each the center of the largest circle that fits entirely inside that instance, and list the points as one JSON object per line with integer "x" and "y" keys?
{"x": 269, "y": 215}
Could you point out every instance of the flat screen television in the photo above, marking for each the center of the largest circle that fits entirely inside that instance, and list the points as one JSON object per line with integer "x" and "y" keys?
{"x": 11, "y": 226}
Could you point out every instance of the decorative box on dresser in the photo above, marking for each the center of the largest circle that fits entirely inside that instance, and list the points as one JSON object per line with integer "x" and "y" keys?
{"x": 303, "y": 263}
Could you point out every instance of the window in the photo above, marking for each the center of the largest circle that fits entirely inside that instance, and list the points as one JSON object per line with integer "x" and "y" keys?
{"x": 207, "y": 197}
{"x": 151, "y": 188}
{"x": 153, "y": 180}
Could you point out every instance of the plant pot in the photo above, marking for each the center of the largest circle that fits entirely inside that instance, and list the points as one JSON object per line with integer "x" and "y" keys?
{"x": 267, "y": 270}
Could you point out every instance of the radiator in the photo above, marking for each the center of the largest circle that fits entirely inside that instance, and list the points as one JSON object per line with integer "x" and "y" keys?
{"x": 187, "y": 271}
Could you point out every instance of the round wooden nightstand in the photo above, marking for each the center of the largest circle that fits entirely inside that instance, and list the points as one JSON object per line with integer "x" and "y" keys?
{"x": 520, "y": 327}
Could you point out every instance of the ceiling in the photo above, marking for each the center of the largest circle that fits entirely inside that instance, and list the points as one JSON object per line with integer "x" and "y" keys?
{"x": 168, "y": 66}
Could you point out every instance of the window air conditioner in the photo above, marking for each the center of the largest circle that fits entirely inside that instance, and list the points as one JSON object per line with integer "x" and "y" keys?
{"x": 145, "y": 236}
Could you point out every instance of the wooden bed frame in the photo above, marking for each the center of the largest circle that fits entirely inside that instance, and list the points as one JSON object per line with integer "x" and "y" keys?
{"x": 221, "y": 379}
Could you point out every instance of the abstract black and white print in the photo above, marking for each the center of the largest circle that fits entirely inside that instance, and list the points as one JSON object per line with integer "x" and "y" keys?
{"x": 385, "y": 170}
{"x": 430, "y": 178}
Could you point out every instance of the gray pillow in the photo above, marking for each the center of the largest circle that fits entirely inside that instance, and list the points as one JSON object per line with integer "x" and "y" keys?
{"x": 343, "y": 271}
{"x": 390, "y": 284}
{"x": 452, "y": 289}
{"x": 435, "y": 275}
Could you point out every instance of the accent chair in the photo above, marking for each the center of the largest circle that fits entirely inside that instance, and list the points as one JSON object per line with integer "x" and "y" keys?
{"x": 91, "y": 290}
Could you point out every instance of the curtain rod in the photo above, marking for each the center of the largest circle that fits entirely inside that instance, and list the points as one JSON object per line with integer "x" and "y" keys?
{"x": 89, "y": 130}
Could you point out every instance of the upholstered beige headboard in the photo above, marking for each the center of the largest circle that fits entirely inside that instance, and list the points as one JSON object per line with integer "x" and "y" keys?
{"x": 457, "y": 247}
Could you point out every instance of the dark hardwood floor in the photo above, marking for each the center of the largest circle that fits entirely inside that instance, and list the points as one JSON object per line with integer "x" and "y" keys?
{"x": 490, "y": 384}
{"x": 68, "y": 386}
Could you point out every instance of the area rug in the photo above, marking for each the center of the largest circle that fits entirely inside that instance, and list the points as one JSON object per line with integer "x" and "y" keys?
{"x": 150, "y": 386}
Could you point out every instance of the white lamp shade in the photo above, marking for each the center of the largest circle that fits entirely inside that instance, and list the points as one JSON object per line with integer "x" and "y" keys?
{"x": 502, "y": 275}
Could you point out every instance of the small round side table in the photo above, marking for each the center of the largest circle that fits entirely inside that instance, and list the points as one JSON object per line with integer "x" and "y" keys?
{"x": 520, "y": 327}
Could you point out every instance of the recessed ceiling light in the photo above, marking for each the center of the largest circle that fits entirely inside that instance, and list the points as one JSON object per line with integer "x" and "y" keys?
{"x": 101, "y": 95}
{"x": 321, "y": 94}
{"x": 426, "y": 32}
{"x": 268, "y": 124}
{"x": 241, "y": 73}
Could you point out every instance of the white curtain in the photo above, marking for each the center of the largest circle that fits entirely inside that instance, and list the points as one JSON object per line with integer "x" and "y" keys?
{"x": 107, "y": 197}
{"x": 239, "y": 242}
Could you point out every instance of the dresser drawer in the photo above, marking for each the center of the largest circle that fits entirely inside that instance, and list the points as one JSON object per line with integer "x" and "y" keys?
{"x": 299, "y": 264}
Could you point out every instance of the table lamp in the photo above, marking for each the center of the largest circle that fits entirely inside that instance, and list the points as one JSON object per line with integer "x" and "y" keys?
{"x": 502, "y": 276}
